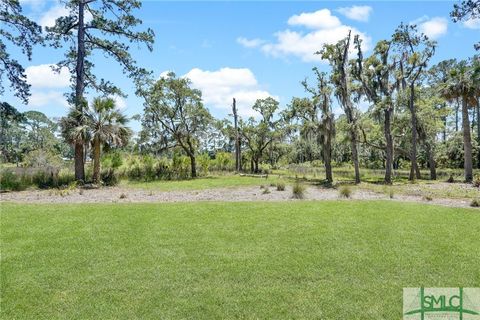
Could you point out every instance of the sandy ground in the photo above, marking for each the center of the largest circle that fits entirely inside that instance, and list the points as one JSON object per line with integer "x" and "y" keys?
{"x": 130, "y": 195}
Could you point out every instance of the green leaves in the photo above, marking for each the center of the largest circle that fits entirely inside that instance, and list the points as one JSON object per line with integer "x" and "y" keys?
{"x": 17, "y": 30}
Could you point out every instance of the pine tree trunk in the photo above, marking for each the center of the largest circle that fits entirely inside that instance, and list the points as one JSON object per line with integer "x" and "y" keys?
{"x": 414, "y": 172}
{"x": 96, "y": 161}
{"x": 389, "y": 146}
{"x": 467, "y": 142}
{"x": 238, "y": 155}
{"x": 80, "y": 87}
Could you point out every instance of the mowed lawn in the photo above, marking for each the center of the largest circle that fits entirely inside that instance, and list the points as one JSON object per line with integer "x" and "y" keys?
{"x": 303, "y": 260}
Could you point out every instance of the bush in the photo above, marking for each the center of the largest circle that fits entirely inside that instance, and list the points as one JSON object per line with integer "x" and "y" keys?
{"x": 204, "y": 162}
{"x": 65, "y": 177}
{"x": 475, "y": 203}
{"x": 280, "y": 186}
{"x": 298, "y": 191}
{"x": 266, "y": 190}
{"x": 476, "y": 182}
{"x": 345, "y": 191}
{"x": 42, "y": 159}
{"x": 9, "y": 181}
{"x": 451, "y": 179}
{"x": 109, "y": 177}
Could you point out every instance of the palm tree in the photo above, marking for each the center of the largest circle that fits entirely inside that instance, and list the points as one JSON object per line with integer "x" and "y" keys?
{"x": 75, "y": 132}
{"x": 107, "y": 125}
{"x": 100, "y": 124}
{"x": 462, "y": 85}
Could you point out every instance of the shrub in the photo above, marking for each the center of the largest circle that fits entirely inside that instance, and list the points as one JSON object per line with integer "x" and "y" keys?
{"x": 42, "y": 159}
{"x": 476, "y": 182}
{"x": 65, "y": 177}
{"x": 345, "y": 192}
{"x": 475, "y": 203}
{"x": 123, "y": 196}
{"x": 45, "y": 179}
{"x": 224, "y": 161}
{"x": 204, "y": 162}
{"x": 9, "y": 181}
{"x": 451, "y": 179}
{"x": 280, "y": 186}
{"x": 266, "y": 190}
{"x": 298, "y": 191}
{"x": 109, "y": 177}
{"x": 428, "y": 197}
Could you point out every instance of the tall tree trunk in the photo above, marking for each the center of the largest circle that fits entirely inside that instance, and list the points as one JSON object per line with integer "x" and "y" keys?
{"x": 256, "y": 165}
{"x": 389, "y": 146}
{"x": 478, "y": 131}
{"x": 238, "y": 155}
{"x": 431, "y": 161}
{"x": 353, "y": 137}
{"x": 444, "y": 119}
{"x": 327, "y": 158}
{"x": 193, "y": 166}
{"x": 80, "y": 87}
{"x": 414, "y": 172}
{"x": 456, "y": 115}
{"x": 467, "y": 142}
{"x": 96, "y": 161}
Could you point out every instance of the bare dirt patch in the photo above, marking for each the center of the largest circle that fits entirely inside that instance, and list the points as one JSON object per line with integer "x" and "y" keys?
{"x": 130, "y": 195}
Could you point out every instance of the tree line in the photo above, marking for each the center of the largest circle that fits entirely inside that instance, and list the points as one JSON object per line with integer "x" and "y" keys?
{"x": 412, "y": 119}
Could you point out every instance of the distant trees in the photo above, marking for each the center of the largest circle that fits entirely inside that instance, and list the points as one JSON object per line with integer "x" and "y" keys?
{"x": 100, "y": 124}
{"x": 174, "y": 116}
{"x": 468, "y": 9}
{"x": 20, "y": 32}
{"x": 414, "y": 50}
{"x": 316, "y": 118}
{"x": 337, "y": 55}
{"x": 97, "y": 26}
{"x": 257, "y": 135}
{"x": 377, "y": 83}
{"x": 463, "y": 83}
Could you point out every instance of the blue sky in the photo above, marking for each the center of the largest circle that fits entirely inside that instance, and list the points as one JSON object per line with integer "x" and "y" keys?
{"x": 244, "y": 49}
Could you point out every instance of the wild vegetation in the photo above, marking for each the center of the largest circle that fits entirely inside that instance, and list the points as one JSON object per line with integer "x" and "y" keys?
{"x": 420, "y": 116}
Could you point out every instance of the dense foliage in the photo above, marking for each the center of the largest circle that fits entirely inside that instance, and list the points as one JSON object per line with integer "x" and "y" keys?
{"x": 399, "y": 111}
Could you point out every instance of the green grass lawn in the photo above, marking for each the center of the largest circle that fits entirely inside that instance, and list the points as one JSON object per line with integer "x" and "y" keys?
{"x": 302, "y": 260}
{"x": 217, "y": 181}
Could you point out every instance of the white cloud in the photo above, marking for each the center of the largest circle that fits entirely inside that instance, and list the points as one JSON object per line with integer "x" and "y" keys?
{"x": 34, "y": 4}
{"x": 250, "y": 43}
{"x": 472, "y": 23}
{"x": 221, "y": 86}
{"x": 48, "y": 98}
{"x": 321, "y": 19}
{"x": 49, "y": 17}
{"x": 434, "y": 27}
{"x": 304, "y": 46}
{"x": 327, "y": 29}
{"x": 58, "y": 10}
{"x": 42, "y": 76}
{"x": 120, "y": 102}
{"x": 358, "y": 13}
